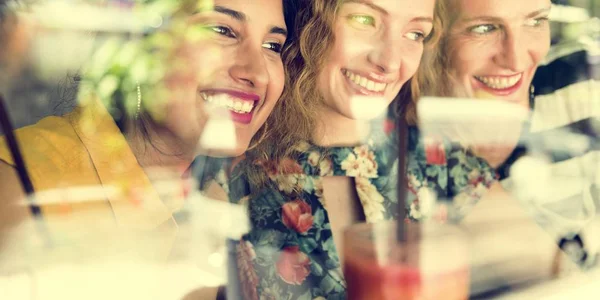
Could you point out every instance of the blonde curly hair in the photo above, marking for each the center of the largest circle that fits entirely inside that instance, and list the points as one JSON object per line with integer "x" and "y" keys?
{"x": 433, "y": 67}
{"x": 293, "y": 119}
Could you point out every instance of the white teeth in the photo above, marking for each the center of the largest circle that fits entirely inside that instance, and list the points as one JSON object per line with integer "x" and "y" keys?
{"x": 371, "y": 85}
{"x": 247, "y": 106}
{"x": 500, "y": 82}
{"x": 363, "y": 82}
{"x": 367, "y": 84}
{"x": 229, "y": 102}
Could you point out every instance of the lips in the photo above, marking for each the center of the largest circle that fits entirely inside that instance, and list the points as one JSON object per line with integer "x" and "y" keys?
{"x": 364, "y": 84}
{"x": 241, "y": 105}
{"x": 500, "y": 82}
{"x": 500, "y": 85}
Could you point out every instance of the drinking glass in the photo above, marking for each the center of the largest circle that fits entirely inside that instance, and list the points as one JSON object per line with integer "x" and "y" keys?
{"x": 431, "y": 262}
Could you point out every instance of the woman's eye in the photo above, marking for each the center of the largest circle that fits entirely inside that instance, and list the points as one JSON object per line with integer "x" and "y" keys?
{"x": 363, "y": 20}
{"x": 483, "y": 29}
{"x": 415, "y": 36}
{"x": 536, "y": 22}
{"x": 222, "y": 30}
{"x": 275, "y": 47}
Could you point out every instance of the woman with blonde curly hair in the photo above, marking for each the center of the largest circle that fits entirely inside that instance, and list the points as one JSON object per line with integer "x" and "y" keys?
{"x": 488, "y": 50}
{"x": 498, "y": 50}
{"x": 329, "y": 160}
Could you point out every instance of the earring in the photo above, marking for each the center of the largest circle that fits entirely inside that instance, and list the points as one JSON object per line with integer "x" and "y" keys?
{"x": 139, "y": 101}
{"x": 532, "y": 96}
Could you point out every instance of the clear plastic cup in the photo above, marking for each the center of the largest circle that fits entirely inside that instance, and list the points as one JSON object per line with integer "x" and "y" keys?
{"x": 431, "y": 264}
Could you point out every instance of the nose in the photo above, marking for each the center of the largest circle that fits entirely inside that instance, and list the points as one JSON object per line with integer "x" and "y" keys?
{"x": 386, "y": 54}
{"x": 513, "y": 53}
{"x": 249, "y": 67}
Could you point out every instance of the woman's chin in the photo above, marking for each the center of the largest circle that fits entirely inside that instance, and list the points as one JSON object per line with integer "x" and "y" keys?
{"x": 366, "y": 108}
{"x": 222, "y": 152}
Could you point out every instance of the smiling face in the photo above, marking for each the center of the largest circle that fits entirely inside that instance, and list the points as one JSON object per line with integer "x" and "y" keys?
{"x": 378, "y": 46}
{"x": 496, "y": 45}
{"x": 233, "y": 72}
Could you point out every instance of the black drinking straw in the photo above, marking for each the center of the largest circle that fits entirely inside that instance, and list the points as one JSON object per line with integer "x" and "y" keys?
{"x": 402, "y": 128}
{"x": 7, "y": 128}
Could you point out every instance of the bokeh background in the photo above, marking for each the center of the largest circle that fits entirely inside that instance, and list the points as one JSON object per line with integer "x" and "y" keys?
{"x": 48, "y": 42}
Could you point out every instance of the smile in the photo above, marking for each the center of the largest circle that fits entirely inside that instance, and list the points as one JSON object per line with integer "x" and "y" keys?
{"x": 365, "y": 83}
{"x": 241, "y": 105}
{"x": 500, "y": 82}
{"x": 234, "y": 104}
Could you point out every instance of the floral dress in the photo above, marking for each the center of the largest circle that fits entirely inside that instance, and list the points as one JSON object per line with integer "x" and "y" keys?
{"x": 290, "y": 252}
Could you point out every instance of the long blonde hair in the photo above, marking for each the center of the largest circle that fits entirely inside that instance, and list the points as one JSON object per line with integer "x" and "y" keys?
{"x": 427, "y": 81}
{"x": 293, "y": 119}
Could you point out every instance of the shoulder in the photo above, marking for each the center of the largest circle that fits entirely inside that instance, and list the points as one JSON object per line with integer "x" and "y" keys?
{"x": 566, "y": 64}
{"x": 48, "y": 136}
{"x": 450, "y": 166}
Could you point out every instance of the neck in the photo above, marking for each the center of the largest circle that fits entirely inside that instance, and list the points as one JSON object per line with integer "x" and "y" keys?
{"x": 166, "y": 151}
{"x": 334, "y": 129}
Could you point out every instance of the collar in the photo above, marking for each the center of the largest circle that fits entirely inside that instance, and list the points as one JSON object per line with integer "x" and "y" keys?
{"x": 137, "y": 205}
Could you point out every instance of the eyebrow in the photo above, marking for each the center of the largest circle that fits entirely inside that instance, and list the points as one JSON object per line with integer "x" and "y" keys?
{"x": 278, "y": 30}
{"x": 385, "y": 12}
{"x": 240, "y": 16}
{"x": 539, "y": 12}
{"x": 423, "y": 19}
{"x": 369, "y": 4}
{"x": 230, "y": 12}
{"x": 495, "y": 19}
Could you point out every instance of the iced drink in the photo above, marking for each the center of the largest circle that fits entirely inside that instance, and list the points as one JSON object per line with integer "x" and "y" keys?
{"x": 433, "y": 266}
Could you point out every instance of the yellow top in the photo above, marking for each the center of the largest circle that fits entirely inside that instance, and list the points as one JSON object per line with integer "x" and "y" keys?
{"x": 82, "y": 150}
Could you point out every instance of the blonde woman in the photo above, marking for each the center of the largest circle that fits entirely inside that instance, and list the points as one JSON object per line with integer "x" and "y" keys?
{"x": 487, "y": 52}
{"x": 493, "y": 49}
{"x": 329, "y": 160}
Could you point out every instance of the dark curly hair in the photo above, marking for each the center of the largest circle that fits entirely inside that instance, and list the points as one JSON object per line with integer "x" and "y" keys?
{"x": 69, "y": 88}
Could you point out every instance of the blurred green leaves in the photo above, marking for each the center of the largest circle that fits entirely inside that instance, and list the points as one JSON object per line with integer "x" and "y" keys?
{"x": 123, "y": 62}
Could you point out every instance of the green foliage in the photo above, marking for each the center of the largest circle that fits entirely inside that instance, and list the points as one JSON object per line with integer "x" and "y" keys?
{"x": 122, "y": 63}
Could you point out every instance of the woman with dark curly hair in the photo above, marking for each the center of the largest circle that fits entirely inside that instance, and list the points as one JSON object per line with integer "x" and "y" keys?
{"x": 145, "y": 103}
